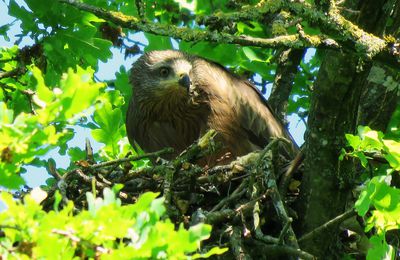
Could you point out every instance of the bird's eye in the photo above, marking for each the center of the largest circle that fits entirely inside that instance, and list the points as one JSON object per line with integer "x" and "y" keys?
{"x": 164, "y": 72}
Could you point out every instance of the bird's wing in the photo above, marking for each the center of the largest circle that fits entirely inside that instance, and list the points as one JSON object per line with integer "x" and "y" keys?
{"x": 152, "y": 135}
{"x": 257, "y": 117}
{"x": 237, "y": 103}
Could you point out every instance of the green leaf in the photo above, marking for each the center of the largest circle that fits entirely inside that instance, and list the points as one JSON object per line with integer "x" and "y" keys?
{"x": 79, "y": 92}
{"x": 393, "y": 153}
{"x": 251, "y": 54}
{"x": 364, "y": 201}
{"x": 44, "y": 94}
{"x": 251, "y": 28}
{"x": 6, "y": 115}
{"x": 117, "y": 187}
{"x": 384, "y": 202}
{"x": 380, "y": 249}
{"x": 363, "y": 158}
{"x": 23, "y": 15}
{"x": 353, "y": 140}
{"x": 225, "y": 54}
{"x": 372, "y": 140}
{"x": 212, "y": 251}
{"x": 157, "y": 42}
{"x": 76, "y": 154}
{"x": 111, "y": 128}
{"x": 27, "y": 137}
{"x": 124, "y": 87}
{"x": 3, "y": 31}
{"x": 310, "y": 30}
{"x": 9, "y": 177}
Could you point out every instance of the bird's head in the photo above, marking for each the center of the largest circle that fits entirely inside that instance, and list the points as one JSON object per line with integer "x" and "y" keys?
{"x": 162, "y": 74}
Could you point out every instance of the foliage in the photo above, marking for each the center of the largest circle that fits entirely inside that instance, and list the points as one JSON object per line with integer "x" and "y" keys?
{"x": 379, "y": 201}
{"x": 107, "y": 230}
{"x": 25, "y": 136}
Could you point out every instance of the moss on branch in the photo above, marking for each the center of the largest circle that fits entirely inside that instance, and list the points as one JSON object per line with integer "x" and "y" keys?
{"x": 197, "y": 35}
{"x": 339, "y": 32}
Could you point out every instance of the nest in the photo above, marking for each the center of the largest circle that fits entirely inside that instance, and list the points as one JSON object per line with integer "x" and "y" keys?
{"x": 242, "y": 200}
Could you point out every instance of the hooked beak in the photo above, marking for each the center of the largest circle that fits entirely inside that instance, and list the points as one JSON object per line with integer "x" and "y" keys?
{"x": 184, "y": 81}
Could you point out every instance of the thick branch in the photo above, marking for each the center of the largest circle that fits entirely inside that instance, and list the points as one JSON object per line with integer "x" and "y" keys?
{"x": 289, "y": 61}
{"x": 353, "y": 37}
{"x": 188, "y": 34}
{"x": 330, "y": 22}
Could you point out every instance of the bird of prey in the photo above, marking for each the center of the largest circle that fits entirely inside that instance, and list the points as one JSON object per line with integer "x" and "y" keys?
{"x": 177, "y": 97}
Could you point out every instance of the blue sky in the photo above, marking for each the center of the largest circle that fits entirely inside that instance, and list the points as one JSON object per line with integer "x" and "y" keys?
{"x": 36, "y": 176}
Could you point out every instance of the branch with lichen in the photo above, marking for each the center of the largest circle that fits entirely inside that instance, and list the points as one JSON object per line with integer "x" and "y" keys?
{"x": 197, "y": 35}
{"x": 347, "y": 36}
{"x": 351, "y": 36}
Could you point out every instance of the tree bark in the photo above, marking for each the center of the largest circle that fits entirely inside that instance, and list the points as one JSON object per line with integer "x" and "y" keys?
{"x": 288, "y": 65}
{"x": 335, "y": 102}
{"x": 380, "y": 95}
{"x": 333, "y": 113}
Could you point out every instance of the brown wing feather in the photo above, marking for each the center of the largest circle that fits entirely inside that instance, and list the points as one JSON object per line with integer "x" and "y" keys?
{"x": 239, "y": 111}
{"x": 178, "y": 131}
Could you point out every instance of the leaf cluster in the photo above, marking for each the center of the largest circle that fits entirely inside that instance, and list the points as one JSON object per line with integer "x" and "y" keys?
{"x": 107, "y": 230}
{"x": 379, "y": 200}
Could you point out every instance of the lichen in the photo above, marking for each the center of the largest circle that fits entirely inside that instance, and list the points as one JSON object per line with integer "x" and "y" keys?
{"x": 278, "y": 28}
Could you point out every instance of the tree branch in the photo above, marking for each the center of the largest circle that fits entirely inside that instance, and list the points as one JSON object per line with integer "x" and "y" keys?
{"x": 288, "y": 63}
{"x": 331, "y": 223}
{"x": 12, "y": 73}
{"x": 196, "y": 35}
{"x": 132, "y": 158}
{"x": 351, "y": 37}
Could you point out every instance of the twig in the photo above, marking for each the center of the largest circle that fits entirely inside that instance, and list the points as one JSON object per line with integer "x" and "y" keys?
{"x": 220, "y": 174}
{"x": 104, "y": 180}
{"x": 132, "y": 174}
{"x": 12, "y": 73}
{"x": 204, "y": 146}
{"x": 10, "y": 227}
{"x": 288, "y": 63}
{"x": 275, "y": 195}
{"x": 53, "y": 170}
{"x": 132, "y": 158}
{"x": 136, "y": 42}
{"x": 213, "y": 218}
{"x": 97, "y": 184}
{"x": 168, "y": 182}
{"x": 69, "y": 234}
{"x": 90, "y": 180}
{"x": 140, "y": 8}
{"x": 281, "y": 251}
{"x": 333, "y": 222}
{"x": 265, "y": 238}
{"x": 237, "y": 193}
{"x": 89, "y": 151}
{"x": 236, "y": 244}
{"x": 287, "y": 176}
{"x": 284, "y": 231}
